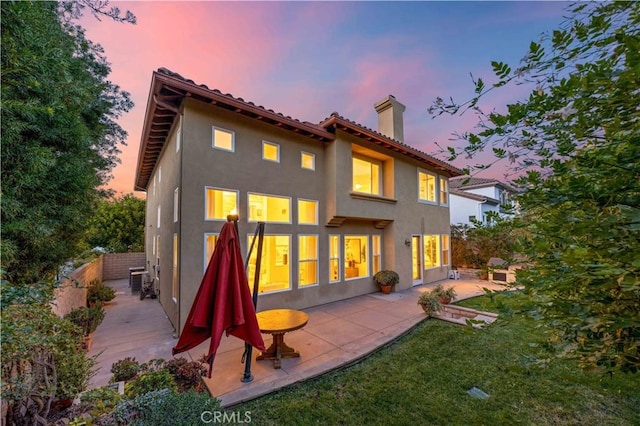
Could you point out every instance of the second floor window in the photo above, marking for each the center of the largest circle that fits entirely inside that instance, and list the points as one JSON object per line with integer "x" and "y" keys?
{"x": 223, "y": 139}
{"x": 270, "y": 151}
{"x": 367, "y": 175}
{"x": 444, "y": 191}
{"x": 219, "y": 203}
{"x": 307, "y": 212}
{"x": 269, "y": 208}
{"x": 426, "y": 187}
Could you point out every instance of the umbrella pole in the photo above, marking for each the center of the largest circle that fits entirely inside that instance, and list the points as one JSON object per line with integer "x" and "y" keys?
{"x": 248, "y": 349}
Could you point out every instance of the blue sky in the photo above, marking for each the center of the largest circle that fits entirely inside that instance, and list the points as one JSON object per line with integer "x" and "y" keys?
{"x": 308, "y": 59}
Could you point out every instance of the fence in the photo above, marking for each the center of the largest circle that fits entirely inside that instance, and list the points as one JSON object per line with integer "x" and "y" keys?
{"x": 72, "y": 292}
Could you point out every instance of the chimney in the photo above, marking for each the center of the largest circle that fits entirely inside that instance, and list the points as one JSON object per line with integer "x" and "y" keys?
{"x": 390, "y": 118}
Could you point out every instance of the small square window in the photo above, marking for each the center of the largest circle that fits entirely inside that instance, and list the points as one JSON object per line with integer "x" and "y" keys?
{"x": 308, "y": 161}
{"x": 270, "y": 151}
{"x": 223, "y": 139}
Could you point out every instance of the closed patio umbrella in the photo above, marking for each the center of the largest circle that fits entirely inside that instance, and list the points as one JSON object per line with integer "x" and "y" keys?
{"x": 223, "y": 302}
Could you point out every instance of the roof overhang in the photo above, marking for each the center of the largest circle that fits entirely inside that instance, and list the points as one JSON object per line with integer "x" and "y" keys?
{"x": 340, "y": 123}
{"x": 168, "y": 91}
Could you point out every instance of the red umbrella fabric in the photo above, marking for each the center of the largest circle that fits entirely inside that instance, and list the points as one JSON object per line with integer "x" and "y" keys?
{"x": 223, "y": 301}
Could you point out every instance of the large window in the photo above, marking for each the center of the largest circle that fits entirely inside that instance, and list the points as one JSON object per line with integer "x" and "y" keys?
{"x": 376, "y": 259}
{"x": 334, "y": 258}
{"x": 307, "y": 260}
{"x": 445, "y": 250}
{"x": 307, "y": 160}
{"x": 426, "y": 187}
{"x": 307, "y": 212}
{"x": 210, "y": 240}
{"x": 275, "y": 267}
{"x": 223, "y": 139}
{"x": 431, "y": 251}
{"x": 356, "y": 262}
{"x": 270, "y": 151}
{"x": 219, "y": 203}
{"x": 367, "y": 175}
{"x": 174, "y": 288}
{"x": 444, "y": 191}
{"x": 269, "y": 208}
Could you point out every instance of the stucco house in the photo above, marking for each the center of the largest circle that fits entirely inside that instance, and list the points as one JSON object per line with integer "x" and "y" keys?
{"x": 473, "y": 198}
{"x": 340, "y": 201}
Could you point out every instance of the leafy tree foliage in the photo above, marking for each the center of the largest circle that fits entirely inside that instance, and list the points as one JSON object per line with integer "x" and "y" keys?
{"x": 576, "y": 145}
{"x": 118, "y": 225}
{"x": 472, "y": 247}
{"x": 59, "y": 132}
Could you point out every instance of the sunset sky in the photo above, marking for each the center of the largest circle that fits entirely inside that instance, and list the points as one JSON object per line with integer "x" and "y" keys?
{"x": 309, "y": 59}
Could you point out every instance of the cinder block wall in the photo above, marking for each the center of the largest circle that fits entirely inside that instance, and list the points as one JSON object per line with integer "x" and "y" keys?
{"x": 72, "y": 292}
{"x": 116, "y": 265}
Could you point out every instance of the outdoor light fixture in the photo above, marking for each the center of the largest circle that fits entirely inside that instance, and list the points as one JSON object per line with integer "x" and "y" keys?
{"x": 407, "y": 242}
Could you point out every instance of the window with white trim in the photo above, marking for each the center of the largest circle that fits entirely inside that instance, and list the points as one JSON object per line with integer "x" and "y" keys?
{"x": 219, "y": 203}
{"x": 426, "y": 187}
{"x": 175, "y": 204}
{"x": 269, "y": 208}
{"x": 431, "y": 251}
{"x": 307, "y": 160}
{"x": 445, "y": 249}
{"x": 334, "y": 258}
{"x": 444, "y": 191}
{"x": 356, "y": 263}
{"x": 376, "y": 258}
{"x": 223, "y": 139}
{"x": 367, "y": 175}
{"x": 307, "y": 260}
{"x": 275, "y": 267}
{"x": 270, "y": 151}
{"x": 307, "y": 212}
{"x": 210, "y": 240}
{"x": 174, "y": 287}
{"x": 179, "y": 135}
{"x": 158, "y": 217}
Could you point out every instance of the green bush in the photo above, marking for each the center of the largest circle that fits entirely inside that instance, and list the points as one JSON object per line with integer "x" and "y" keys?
{"x": 125, "y": 369}
{"x": 98, "y": 292}
{"x": 165, "y": 407}
{"x": 386, "y": 277}
{"x": 86, "y": 319}
{"x": 102, "y": 400}
{"x": 148, "y": 382}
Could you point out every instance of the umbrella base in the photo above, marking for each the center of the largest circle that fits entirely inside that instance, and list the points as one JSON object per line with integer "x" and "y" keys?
{"x": 277, "y": 351}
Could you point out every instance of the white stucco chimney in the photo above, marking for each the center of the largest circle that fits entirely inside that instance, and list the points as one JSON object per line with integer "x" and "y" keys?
{"x": 390, "y": 118}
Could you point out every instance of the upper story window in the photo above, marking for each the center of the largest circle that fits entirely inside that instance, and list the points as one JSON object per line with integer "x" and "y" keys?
{"x": 176, "y": 205}
{"x": 307, "y": 160}
{"x": 367, "y": 175}
{"x": 444, "y": 191}
{"x": 269, "y": 208}
{"x": 270, "y": 151}
{"x": 426, "y": 187}
{"x": 179, "y": 135}
{"x": 223, "y": 139}
{"x": 159, "y": 211}
{"x": 219, "y": 203}
{"x": 307, "y": 212}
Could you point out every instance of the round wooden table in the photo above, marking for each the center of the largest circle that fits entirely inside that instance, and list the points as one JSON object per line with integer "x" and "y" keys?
{"x": 277, "y": 322}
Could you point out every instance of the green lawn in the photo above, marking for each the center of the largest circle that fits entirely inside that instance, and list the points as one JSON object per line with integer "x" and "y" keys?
{"x": 423, "y": 378}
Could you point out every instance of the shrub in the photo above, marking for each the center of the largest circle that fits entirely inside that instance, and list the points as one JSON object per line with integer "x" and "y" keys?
{"x": 98, "y": 292}
{"x": 86, "y": 319}
{"x": 158, "y": 407}
{"x": 187, "y": 373}
{"x": 101, "y": 400}
{"x": 148, "y": 382}
{"x": 125, "y": 369}
{"x": 386, "y": 277}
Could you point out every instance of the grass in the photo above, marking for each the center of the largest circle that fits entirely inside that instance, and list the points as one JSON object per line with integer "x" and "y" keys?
{"x": 423, "y": 379}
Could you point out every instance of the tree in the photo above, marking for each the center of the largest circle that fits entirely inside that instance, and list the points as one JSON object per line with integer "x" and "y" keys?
{"x": 575, "y": 144}
{"x": 118, "y": 225}
{"x": 59, "y": 132}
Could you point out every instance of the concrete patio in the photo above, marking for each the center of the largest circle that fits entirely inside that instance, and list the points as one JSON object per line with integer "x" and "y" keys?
{"x": 337, "y": 334}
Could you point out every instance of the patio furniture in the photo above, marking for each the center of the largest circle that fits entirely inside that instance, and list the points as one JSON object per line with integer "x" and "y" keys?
{"x": 277, "y": 322}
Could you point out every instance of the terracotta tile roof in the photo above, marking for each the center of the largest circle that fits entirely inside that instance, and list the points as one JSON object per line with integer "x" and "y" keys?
{"x": 169, "y": 89}
{"x": 356, "y": 129}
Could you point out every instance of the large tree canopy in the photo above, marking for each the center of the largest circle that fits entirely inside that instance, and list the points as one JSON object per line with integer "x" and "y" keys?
{"x": 118, "y": 225}
{"x": 59, "y": 132}
{"x": 575, "y": 143}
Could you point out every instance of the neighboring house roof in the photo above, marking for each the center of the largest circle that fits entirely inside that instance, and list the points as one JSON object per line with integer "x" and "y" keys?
{"x": 466, "y": 182}
{"x": 169, "y": 89}
{"x": 476, "y": 197}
